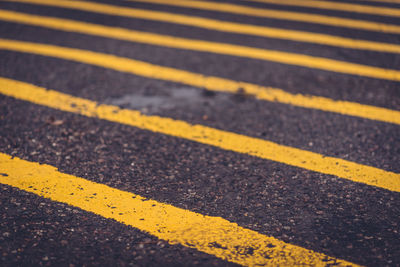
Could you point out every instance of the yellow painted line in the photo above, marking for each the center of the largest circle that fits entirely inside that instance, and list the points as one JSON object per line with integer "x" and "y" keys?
{"x": 205, "y": 46}
{"x": 364, "y": 9}
{"x": 209, "y": 82}
{"x": 278, "y": 14}
{"x": 202, "y": 134}
{"x": 381, "y": 1}
{"x": 212, "y": 235}
{"x": 198, "y": 80}
{"x": 221, "y": 7}
{"x": 157, "y": 39}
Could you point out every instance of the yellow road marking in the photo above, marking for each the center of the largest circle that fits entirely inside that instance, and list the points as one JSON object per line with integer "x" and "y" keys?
{"x": 213, "y": 47}
{"x": 221, "y": 7}
{"x": 205, "y": 135}
{"x": 212, "y": 235}
{"x": 277, "y": 14}
{"x": 209, "y": 82}
{"x": 130, "y": 35}
{"x": 373, "y": 10}
{"x": 382, "y": 1}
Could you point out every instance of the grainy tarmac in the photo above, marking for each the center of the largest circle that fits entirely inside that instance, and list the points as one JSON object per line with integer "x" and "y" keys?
{"x": 344, "y": 219}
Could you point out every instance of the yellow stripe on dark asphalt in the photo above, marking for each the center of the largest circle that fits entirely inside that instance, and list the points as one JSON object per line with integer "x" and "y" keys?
{"x": 212, "y": 235}
{"x": 212, "y": 47}
{"x": 125, "y": 34}
{"x": 220, "y": 7}
{"x": 364, "y": 9}
{"x": 381, "y": 1}
{"x": 278, "y": 14}
{"x": 209, "y": 82}
{"x": 202, "y": 134}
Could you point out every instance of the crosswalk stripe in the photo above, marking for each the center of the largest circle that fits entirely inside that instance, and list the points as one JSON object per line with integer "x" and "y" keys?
{"x": 212, "y": 235}
{"x": 271, "y": 13}
{"x": 324, "y": 39}
{"x": 209, "y": 82}
{"x": 364, "y": 9}
{"x": 206, "y": 135}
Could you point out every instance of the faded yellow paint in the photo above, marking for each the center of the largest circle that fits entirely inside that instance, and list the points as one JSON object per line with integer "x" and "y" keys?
{"x": 157, "y": 39}
{"x": 364, "y": 9}
{"x": 211, "y": 83}
{"x": 219, "y": 48}
{"x": 278, "y": 14}
{"x": 212, "y": 235}
{"x": 205, "y": 135}
{"x": 220, "y": 7}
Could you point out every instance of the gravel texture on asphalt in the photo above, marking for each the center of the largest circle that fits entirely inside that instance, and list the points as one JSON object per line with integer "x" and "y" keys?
{"x": 352, "y": 221}
{"x": 320, "y": 212}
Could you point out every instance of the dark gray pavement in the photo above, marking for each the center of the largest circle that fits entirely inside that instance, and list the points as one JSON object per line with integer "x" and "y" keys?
{"x": 351, "y": 221}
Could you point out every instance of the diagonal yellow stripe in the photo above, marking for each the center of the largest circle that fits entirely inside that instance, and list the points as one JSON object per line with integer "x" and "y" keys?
{"x": 220, "y": 7}
{"x": 205, "y": 135}
{"x": 211, "y": 83}
{"x": 381, "y": 1}
{"x": 213, "y": 47}
{"x": 270, "y": 13}
{"x": 212, "y": 235}
{"x": 247, "y": 29}
{"x": 373, "y": 10}
{"x": 309, "y": 37}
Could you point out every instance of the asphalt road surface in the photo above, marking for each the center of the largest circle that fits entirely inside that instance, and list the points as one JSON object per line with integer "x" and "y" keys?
{"x": 193, "y": 133}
